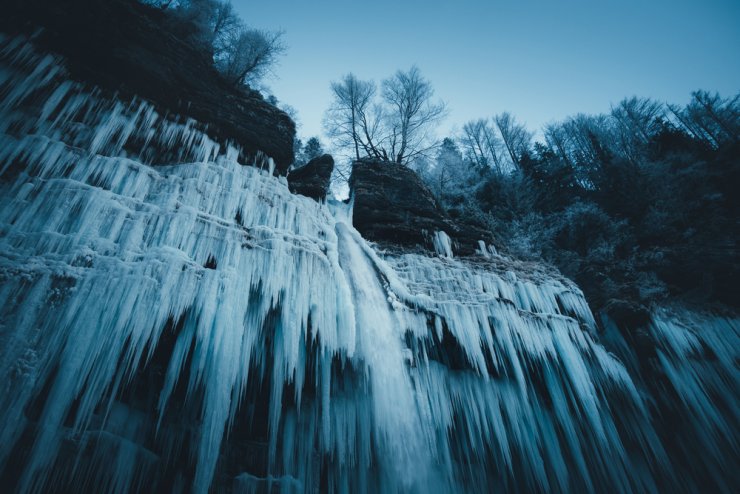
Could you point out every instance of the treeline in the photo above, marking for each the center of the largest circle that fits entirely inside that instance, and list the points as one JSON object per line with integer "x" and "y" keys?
{"x": 639, "y": 204}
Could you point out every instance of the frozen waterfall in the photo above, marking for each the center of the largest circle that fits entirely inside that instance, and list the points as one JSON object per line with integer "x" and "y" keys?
{"x": 192, "y": 326}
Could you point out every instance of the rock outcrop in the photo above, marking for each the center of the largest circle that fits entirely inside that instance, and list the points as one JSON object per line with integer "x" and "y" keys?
{"x": 313, "y": 179}
{"x": 130, "y": 49}
{"x": 392, "y": 205}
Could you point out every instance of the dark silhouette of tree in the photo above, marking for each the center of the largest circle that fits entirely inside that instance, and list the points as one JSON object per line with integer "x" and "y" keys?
{"x": 349, "y": 120}
{"x": 399, "y": 127}
{"x": 312, "y": 149}
{"x": 482, "y": 146}
{"x": 409, "y": 117}
{"x": 247, "y": 55}
{"x": 243, "y": 55}
{"x": 516, "y": 138}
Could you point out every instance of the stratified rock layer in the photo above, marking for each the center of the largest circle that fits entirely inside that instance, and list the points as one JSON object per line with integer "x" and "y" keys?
{"x": 128, "y": 48}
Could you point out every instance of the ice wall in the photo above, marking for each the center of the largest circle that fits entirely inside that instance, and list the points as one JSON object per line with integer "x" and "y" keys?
{"x": 196, "y": 327}
{"x": 686, "y": 363}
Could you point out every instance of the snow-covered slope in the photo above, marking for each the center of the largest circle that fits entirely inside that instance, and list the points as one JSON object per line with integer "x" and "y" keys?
{"x": 195, "y": 326}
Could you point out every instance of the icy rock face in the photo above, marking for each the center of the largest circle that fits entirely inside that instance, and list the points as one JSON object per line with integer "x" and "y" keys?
{"x": 128, "y": 47}
{"x": 198, "y": 328}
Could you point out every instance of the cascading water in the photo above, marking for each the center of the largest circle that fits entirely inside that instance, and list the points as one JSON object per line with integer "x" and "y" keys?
{"x": 195, "y": 327}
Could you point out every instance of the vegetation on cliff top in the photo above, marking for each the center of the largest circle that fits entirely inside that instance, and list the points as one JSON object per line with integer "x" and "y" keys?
{"x": 639, "y": 204}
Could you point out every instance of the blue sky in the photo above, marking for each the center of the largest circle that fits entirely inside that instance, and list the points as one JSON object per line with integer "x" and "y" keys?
{"x": 540, "y": 60}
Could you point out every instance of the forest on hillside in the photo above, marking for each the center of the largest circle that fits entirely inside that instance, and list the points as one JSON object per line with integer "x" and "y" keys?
{"x": 639, "y": 204}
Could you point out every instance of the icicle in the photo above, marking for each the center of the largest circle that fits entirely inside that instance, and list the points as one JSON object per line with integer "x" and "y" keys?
{"x": 442, "y": 244}
{"x": 483, "y": 250}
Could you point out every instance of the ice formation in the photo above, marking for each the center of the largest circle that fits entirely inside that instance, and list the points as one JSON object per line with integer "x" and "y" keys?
{"x": 442, "y": 244}
{"x": 194, "y": 326}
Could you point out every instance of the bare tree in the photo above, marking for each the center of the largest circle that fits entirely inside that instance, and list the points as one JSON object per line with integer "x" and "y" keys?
{"x": 711, "y": 118}
{"x": 557, "y": 141}
{"x": 349, "y": 119}
{"x": 243, "y": 55}
{"x": 248, "y": 55}
{"x": 215, "y": 22}
{"x": 481, "y": 144}
{"x": 636, "y": 121}
{"x": 580, "y": 140}
{"x": 193, "y": 20}
{"x": 398, "y": 128}
{"x": 412, "y": 114}
{"x": 225, "y": 26}
{"x": 517, "y": 139}
{"x": 638, "y": 117}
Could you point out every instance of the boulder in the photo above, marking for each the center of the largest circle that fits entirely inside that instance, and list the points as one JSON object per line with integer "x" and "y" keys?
{"x": 627, "y": 313}
{"x": 393, "y": 206}
{"x": 313, "y": 179}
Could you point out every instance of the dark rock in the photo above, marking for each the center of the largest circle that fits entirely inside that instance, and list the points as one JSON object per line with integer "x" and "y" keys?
{"x": 466, "y": 234}
{"x": 211, "y": 262}
{"x": 313, "y": 179}
{"x": 631, "y": 321}
{"x": 392, "y": 205}
{"x": 626, "y": 313}
{"x": 130, "y": 49}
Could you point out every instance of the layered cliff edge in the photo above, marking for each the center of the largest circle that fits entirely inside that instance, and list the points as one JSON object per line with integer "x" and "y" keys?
{"x": 123, "y": 47}
{"x": 194, "y": 326}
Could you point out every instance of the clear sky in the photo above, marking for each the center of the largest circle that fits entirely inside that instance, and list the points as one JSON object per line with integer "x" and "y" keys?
{"x": 541, "y": 60}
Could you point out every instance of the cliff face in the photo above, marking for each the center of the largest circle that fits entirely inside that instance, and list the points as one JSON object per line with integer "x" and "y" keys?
{"x": 197, "y": 327}
{"x": 121, "y": 47}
